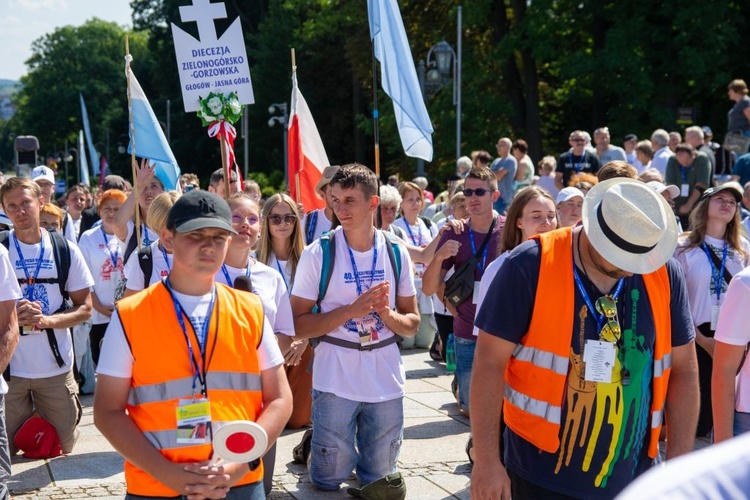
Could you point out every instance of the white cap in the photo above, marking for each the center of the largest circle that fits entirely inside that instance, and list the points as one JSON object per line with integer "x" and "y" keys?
{"x": 567, "y": 193}
{"x": 660, "y": 187}
{"x": 43, "y": 173}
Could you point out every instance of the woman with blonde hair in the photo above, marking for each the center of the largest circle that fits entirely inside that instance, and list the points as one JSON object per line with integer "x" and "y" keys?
{"x": 710, "y": 255}
{"x": 420, "y": 233}
{"x": 154, "y": 258}
{"x": 281, "y": 244}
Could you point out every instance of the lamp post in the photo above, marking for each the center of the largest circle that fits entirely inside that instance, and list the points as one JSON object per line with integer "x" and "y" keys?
{"x": 281, "y": 120}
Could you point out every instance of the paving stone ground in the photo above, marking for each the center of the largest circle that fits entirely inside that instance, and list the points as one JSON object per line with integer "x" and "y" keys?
{"x": 432, "y": 459}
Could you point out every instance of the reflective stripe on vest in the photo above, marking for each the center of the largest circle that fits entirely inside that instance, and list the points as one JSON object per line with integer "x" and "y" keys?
{"x": 181, "y": 388}
{"x": 662, "y": 365}
{"x": 541, "y": 409}
{"x": 542, "y": 359}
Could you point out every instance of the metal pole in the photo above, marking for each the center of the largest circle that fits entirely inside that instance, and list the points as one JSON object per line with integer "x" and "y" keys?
{"x": 457, "y": 74}
{"x": 245, "y": 141}
{"x": 421, "y": 76}
{"x": 169, "y": 122}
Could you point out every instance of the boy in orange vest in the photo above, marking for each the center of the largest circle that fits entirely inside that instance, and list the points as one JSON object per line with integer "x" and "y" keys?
{"x": 585, "y": 341}
{"x": 188, "y": 354}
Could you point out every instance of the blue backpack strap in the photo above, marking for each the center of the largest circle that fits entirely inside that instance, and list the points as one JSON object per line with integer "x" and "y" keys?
{"x": 394, "y": 255}
{"x": 328, "y": 247}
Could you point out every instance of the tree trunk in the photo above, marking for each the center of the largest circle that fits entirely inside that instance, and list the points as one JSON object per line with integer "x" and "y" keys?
{"x": 511, "y": 73}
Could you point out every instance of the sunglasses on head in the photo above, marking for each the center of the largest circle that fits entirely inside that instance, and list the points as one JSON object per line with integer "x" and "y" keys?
{"x": 278, "y": 219}
{"x": 607, "y": 307}
{"x": 478, "y": 192}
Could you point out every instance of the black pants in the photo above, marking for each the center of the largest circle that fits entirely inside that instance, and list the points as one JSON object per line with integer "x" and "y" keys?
{"x": 445, "y": 328}
{"x": 523, "y": 489}
{"x": 705, "y": 365}
{"x": 96, "y": 335}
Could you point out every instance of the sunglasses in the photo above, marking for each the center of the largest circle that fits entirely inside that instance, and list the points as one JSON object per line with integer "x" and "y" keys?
{"x": 607, "y": 307}
{"x": 278, "y": 219}
{"x": 478, "y": 192}
{"x": 578, "y": 140}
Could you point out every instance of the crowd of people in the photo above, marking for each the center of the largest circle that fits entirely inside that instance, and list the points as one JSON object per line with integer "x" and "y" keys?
{"x": 582, "y": 300}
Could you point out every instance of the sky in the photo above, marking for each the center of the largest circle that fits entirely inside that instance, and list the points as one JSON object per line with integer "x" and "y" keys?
{"x": 23, "y": 21}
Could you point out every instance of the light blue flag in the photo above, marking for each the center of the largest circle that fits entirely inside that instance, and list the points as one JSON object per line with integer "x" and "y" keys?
{"x": 83, "y": 164}
{"x": 93, "y": 154}
{"x": 399, "y": 77}
{"x": 150, "y": 141}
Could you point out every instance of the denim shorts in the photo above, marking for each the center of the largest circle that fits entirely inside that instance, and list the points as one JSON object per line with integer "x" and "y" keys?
{"x": 464, "y": 361}
{"x": 377, "y": 429}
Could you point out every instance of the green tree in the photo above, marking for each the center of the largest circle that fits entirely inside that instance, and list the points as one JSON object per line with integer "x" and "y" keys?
{"x": 88, "y": 59}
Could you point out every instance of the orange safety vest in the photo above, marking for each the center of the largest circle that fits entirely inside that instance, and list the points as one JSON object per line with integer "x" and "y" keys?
{"x": 162, "y": 373}
{"x": 536, "y": 374}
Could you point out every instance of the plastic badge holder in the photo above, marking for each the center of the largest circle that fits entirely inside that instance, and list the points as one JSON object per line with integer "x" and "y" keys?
{"x": 238, "y": 442}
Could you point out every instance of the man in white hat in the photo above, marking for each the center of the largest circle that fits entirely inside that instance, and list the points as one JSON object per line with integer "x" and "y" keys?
{"x": 322, "y": 220}
{"x": 45, "y": 178}
{"x": 569, "y": 204}
{"x": 585, "y": 342}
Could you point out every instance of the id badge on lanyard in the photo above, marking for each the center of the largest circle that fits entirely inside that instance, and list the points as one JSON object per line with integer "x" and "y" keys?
{"x": 193, "y": 419}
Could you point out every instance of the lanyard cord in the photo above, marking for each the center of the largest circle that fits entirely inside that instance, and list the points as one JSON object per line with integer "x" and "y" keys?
{"x": 113, "y": 257}
{"x": 717, "y": 275}
{"x": 354, "y": 264}
{"x": 29, "y": 279}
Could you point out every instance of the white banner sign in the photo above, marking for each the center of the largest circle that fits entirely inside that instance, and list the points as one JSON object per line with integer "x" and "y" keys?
{"x": 212, "y": 64}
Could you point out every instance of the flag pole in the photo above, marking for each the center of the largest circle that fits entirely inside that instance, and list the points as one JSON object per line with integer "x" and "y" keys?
{"x": 133, "y": 163}
{"x": 297, "y": 193}
{"x": 375, "y": 113}
{"x": 225, "y": 165}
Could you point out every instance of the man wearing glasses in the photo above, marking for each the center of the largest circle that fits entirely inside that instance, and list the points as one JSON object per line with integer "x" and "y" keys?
{"x": 454, "y": 250}
{"x": 575, "y": 161}
{"x": 586, "y": 343}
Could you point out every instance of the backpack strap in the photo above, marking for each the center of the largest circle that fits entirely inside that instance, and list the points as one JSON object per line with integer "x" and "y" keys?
{"x": 62, "y": 261}
{"x": 311, "y": 222}
{"x": 394, "y": 255}
{"x": 146, "y": 262}
{"x": 130, "y": 247}
{"x": 427, "y": 221}
{"x": 328, "y": 246}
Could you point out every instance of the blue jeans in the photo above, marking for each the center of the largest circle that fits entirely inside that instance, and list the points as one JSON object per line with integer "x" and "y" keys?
{"x": 464, "y": 361}
{"x": 377, "y": 427}
{"x": 741, "y": 422}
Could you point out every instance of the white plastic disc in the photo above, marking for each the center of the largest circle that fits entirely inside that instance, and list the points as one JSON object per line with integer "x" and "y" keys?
{"x": 240, "y": 441}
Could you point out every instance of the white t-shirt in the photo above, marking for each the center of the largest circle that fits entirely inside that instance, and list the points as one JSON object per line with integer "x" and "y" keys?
{"x": 660, "y": 160}
{"x": 420, "y": 236}
{"x": 9, "y": 291}
{"x": 697, "y": 269}
{"x": 103, "y": 255}
{"x": 72, "y": 228}
{"x": 733, "y": 330}
{"x": 364, "y": 376}
{"x": 148, "y": 236}
{"x": 484, "y": 284}
{"x": 33, "y": 357}
{"x": 161, "y": 263}
{"x": 268, "y": 284}
{"x": 284, "y": 268}
{"x": 321, "y": 226}
{"x": 116, "y": 360}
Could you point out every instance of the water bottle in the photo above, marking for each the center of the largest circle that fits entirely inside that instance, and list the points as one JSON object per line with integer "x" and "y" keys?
{"x": 450, "y": 354}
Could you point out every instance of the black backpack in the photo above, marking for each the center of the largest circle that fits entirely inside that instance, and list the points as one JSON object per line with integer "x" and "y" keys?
{"x": 61, "y": 253}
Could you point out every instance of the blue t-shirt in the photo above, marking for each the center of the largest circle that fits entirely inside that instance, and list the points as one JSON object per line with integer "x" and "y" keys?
{"x": 505, "y": 185}
{"x": 742, "y": 168}
{"x": 605, "y": 427}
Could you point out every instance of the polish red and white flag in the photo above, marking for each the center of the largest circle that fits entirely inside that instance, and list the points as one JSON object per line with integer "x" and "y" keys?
{"x": 307, "y": 156}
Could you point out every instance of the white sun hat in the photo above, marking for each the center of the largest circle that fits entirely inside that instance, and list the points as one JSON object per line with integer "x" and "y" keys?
{"x": 630, "y": 225}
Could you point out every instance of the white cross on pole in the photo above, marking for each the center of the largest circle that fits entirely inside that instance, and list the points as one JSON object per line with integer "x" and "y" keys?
{"x": 204, "y": 13}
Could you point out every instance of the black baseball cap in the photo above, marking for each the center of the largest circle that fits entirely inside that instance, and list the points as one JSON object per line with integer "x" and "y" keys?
{"x": 199, "y": 210}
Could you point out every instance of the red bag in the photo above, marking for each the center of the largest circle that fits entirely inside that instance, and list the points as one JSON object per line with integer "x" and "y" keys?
{"x": 38, "y": 439}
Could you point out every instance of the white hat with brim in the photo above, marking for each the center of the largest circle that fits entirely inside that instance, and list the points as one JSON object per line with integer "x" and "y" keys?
{"x": 568, "y": 193}
{"x": 660, "y": 187}
{"x": 630, "y": 225}
{"x": 43, "y": 173}
{"x": 326, "y": 177}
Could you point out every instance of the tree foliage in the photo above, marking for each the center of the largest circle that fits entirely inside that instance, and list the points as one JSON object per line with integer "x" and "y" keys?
{"x": 533, "y": 69}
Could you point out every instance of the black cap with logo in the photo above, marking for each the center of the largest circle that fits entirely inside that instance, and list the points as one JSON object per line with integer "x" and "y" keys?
{"x": 199, "y": 210}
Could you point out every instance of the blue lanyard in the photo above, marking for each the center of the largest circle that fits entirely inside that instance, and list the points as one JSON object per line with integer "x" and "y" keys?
{"x": 577, "y": 166}
{"x": 229, "y": 278}
{"x": 474, "y": 250}
{"x": 202, "y": 338}
{"x": 587, "y": 300}
{"x": 30, "y": 280}
{"x": 717, "y": 277}
{"x": 113, "y": 257}
{"x": 311, "y": 226}
{"x": 166, "y": 259}
{"x": 144, "y": 231}
{"x": 684, "y": 174}
{"x": 283, "y": 276}
{"x": 411, "y": 235}
{"x": 354, "y": 264}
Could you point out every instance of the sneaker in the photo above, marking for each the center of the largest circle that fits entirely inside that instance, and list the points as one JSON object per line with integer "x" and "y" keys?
{"x": 301, "y": 452}
{"x": 470, "y": 449}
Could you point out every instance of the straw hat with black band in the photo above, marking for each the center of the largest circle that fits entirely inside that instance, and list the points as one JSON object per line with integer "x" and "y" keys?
{"x": 630, "y": 225}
